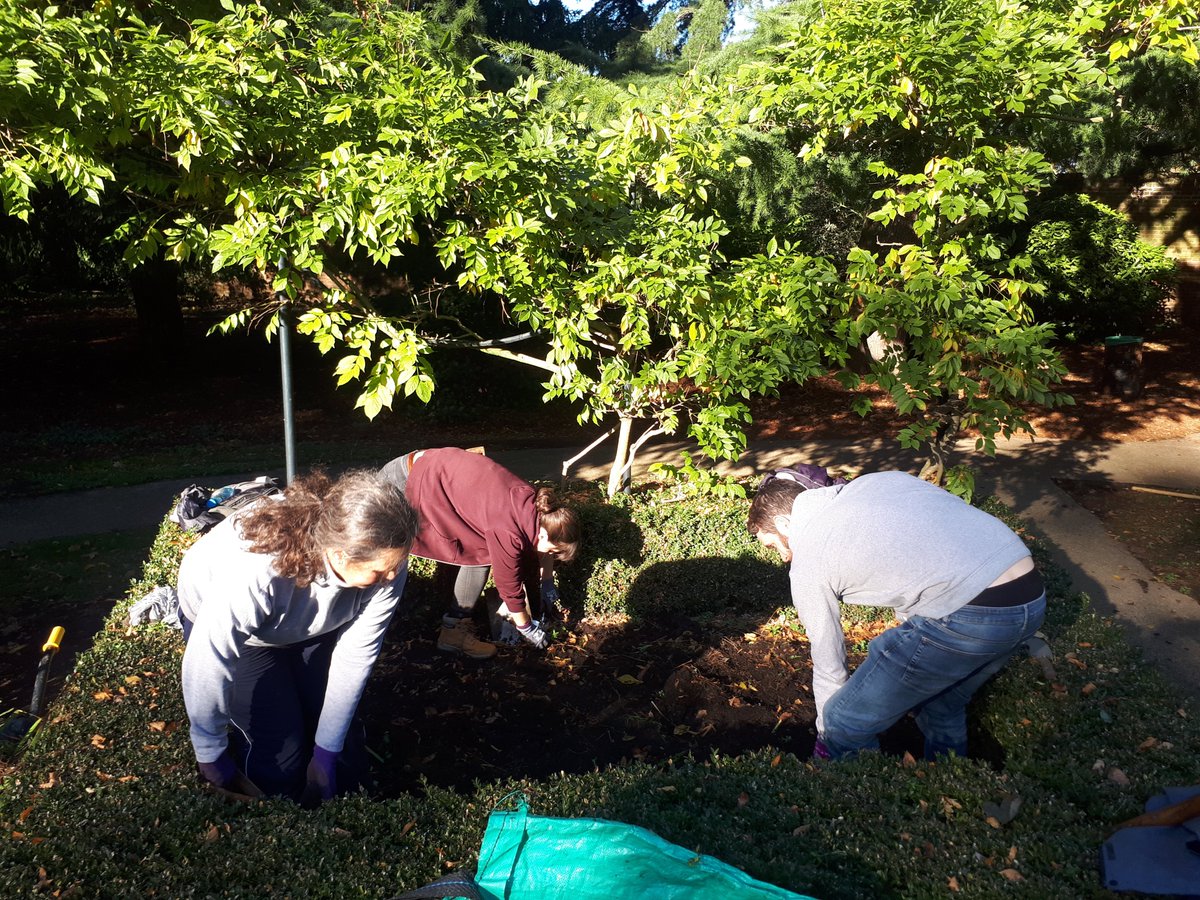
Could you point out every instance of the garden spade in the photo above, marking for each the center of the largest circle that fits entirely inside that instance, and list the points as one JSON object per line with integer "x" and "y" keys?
{"x": 18, "y": 725}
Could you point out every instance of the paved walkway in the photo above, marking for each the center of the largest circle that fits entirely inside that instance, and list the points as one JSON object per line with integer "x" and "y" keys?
{"x": 1163, "y": 623}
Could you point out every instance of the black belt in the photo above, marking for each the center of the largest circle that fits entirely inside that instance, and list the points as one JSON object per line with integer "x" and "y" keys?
{"x": 1017, "y": 592}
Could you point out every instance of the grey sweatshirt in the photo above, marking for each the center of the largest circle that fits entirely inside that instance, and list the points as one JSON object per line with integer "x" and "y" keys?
{"x": 236, "y": 599}
{"x": 887, "y": 539}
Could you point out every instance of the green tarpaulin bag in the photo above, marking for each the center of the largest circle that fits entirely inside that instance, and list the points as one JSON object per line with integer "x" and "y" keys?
{"x": 526, "y": 857}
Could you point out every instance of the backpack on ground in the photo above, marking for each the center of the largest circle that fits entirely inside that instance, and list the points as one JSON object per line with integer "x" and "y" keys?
{"x": 199, "y": 509}
{"x": 804, "y": 474}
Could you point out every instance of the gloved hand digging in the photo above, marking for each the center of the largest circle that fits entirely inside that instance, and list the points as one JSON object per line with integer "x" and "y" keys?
{"x": 550, "y": 600}
{"x": 223, "y": 774}
{"x": 321, "y": 778}
{"x": 535, "y": 635}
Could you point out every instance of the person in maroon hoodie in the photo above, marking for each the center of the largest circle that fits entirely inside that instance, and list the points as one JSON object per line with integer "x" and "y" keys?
{"x": 475, "y": 515}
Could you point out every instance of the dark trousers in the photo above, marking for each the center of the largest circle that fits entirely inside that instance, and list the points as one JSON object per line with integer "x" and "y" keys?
{"x": 277, "y": 698}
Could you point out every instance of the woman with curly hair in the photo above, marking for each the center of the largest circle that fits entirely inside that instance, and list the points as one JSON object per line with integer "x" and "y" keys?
{"x": 476, "y": 517}
{"x": 285, "y": 607}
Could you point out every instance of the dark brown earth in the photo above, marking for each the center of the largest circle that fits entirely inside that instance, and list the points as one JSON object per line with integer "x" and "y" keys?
{"x": 605, "y": 692}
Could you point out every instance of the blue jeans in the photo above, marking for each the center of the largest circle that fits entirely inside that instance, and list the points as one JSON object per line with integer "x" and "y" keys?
{"x": 931, "y": 667}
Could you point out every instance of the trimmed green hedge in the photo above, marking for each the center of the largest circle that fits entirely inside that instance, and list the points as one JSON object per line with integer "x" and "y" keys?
{"x": 106, "y": 803}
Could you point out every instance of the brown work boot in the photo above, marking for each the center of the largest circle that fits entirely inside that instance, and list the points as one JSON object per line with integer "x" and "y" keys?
{"x": 456, "y": 637}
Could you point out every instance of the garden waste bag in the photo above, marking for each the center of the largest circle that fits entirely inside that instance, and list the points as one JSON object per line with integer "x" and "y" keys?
{"x": 526, "y": 857}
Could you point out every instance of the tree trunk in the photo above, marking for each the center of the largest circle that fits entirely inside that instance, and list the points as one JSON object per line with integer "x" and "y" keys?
{"x": 616, "y": 481}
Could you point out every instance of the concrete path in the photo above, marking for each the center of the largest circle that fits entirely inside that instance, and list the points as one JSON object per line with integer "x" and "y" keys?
{"x": 1163, "y": 623}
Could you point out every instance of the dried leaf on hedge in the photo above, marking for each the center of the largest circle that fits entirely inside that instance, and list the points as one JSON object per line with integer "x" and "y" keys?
{"x": 1012, "y": 874}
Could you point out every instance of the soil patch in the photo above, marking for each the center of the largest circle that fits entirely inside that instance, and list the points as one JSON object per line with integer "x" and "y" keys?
{"x": 607, "y": 694}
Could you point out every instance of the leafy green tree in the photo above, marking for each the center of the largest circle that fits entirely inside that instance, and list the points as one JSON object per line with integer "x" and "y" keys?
{"x": 949, "y": 101}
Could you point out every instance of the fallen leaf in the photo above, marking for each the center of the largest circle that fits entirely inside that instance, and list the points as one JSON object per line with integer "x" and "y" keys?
{"x": 24, "y": 814}
{"x": 800, "y": 830}
{"x": 628, "y": 679}
{"x": 408, "y": 826}
{"x": 49, "y": 782}
{"x": 777, "y": 760}
{"x": 102, "y": 696}
{"x": 1148, "y": 744}
{"x": 1012, "y": 874}
{"x": 993, "y": 821}
{"x": 909, "y": 761}
{"x": 212, "y": 834}
{"x": 1012, "y": 853}
{"x": 743, "y": 799}
{"x": 1117, "y": 777}
{"x": 1087, "y": 688}
{"x": 163, "y": 727}
{"x": 952, "y": 884}
{"x": 132, "y": 679}
{"x": 98, "y": 741}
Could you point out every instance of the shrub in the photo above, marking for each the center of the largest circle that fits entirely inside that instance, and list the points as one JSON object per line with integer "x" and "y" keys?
{"x": 106, "y": 802}
{"x": 1101, "y": 278}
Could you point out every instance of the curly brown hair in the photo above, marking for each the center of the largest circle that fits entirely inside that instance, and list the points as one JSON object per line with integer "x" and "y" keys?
{"x": 561, "y": 523}
{"x": 359, "y": 514}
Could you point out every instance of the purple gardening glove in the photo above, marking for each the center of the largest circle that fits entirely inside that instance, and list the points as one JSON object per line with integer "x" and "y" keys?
{"x": 321, "y": 778}
{"x": 221, "y": 772}
{"x": 820, "y": 751}
{"x": 535, "y": 635}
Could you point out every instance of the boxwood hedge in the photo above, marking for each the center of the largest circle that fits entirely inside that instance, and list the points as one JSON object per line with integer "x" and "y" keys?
{"x": 106, "y": 802}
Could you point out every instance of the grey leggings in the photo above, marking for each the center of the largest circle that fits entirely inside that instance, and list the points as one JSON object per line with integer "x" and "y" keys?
{"x": 458, "y": 587}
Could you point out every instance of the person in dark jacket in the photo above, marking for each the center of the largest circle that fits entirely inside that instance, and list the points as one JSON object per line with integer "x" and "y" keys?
{"x": 476, "y": 515}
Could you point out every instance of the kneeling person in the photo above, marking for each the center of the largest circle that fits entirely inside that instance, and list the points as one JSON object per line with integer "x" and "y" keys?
{"x": 962, "y": 584}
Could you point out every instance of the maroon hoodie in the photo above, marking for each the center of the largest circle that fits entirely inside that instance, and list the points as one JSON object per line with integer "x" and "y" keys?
{"x": 474, "y": 512}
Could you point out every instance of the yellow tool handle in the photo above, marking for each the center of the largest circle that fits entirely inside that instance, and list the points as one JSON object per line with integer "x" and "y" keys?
{"x": 56, "y": 635}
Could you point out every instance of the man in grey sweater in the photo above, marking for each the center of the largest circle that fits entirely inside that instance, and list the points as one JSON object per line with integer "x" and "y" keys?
{"x": 963, "y": 586}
